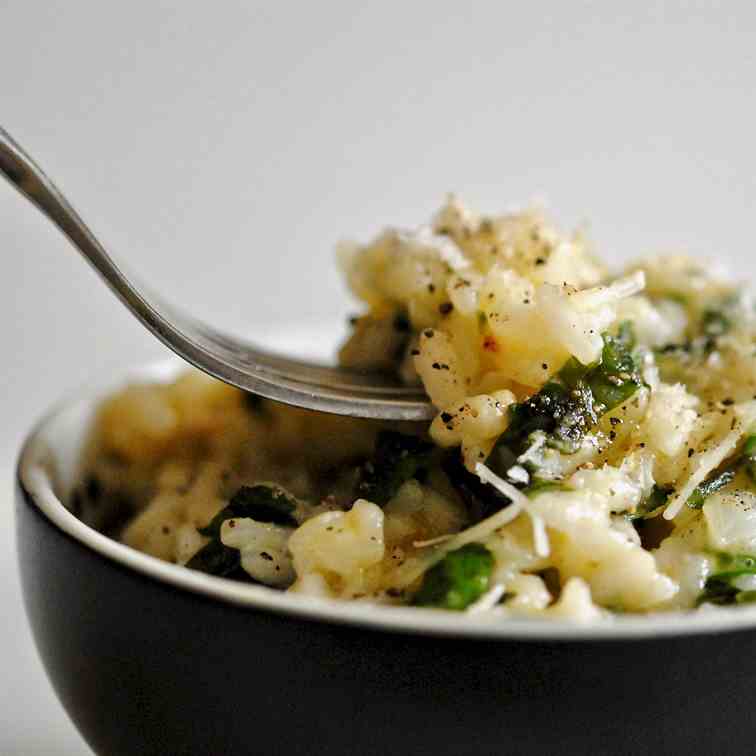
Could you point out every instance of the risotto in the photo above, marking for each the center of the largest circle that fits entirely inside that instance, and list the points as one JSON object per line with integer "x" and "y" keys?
{"x": 593, "y": 452}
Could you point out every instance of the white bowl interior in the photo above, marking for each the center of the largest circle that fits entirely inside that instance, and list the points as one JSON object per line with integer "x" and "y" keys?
{"x": 48, "y": 467}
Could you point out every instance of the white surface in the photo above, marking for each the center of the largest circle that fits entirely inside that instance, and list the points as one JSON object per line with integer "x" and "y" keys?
{"x": 222, "y": 148}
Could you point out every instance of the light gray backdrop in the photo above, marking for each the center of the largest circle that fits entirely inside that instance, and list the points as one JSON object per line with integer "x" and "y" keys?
{"x": 222, "y": 148}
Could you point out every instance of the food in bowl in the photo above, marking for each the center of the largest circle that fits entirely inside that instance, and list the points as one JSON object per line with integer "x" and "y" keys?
{"x": 594, "y": 450}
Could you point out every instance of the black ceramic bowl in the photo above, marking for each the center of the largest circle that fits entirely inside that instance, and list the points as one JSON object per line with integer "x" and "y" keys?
{"x": 151, "y": 658}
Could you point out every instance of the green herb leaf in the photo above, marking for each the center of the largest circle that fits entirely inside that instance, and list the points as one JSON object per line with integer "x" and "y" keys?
{"x": 718, "y": 592}
{"x": 397, "y": 458}
{"x": 655, "y": 502}
{"x": 617, "y": 377}
{"x": 730, "y": 566}
{"x": 458, "y": 580}
{"x": 719, "y": 587}
{"x": 263, "y": 502}
{"x": 726, "y": 473}
{"x": 711, "y": 485}
{"x": 572, "y": 402}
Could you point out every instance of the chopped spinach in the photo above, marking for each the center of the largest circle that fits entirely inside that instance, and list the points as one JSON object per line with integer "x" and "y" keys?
{"x": 734, "y": 565}
{"x": 397, "y": 458}
{"x": 726, "y": 473}
{"x": 617, "y": 377}
{"x": 565, "y": 413}
{"x": 458, "y": 580}
{"x": 718, "y": 592}
{"x": 719, "y": 587}
{"x": 653, "y": 504}
{"x": 262, "y": 502}
{"x": 711, "y": 485}
{"x": 572, "y": 402}
{"x": 215, "y": 558}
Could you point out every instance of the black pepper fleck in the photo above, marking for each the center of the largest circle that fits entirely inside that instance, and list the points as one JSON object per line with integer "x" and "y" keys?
{"x": 94, "y": 488}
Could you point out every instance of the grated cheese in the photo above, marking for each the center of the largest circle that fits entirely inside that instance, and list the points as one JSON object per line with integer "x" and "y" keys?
{"x": 416, "y": 565}
{"x": 540, "y": 537}
{"x": 432, "y": 541}
{"x": 710, "y": 460}
{"x": 488, "y": 600}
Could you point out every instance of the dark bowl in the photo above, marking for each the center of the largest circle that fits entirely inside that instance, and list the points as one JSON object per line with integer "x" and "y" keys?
{"x": 152, "y": 658}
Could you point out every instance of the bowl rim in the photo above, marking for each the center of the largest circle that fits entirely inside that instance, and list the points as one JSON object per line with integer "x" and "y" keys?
{"x": 36, "y": 483}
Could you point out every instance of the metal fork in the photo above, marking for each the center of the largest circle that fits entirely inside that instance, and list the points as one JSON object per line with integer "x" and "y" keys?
{"x": 317, "y": 387}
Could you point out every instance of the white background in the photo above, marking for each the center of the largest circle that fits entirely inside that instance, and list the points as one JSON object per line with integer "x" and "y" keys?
{"x": 220, "y": 149}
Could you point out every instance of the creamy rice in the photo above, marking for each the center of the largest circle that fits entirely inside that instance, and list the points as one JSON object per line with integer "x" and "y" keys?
{"x": 593, "y": 451}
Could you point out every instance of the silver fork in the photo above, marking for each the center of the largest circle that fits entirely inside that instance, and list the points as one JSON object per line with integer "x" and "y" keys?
{"x": 317, "y": 387}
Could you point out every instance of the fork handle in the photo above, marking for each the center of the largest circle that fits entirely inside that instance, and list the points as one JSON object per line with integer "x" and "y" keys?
{"x": 31, "y": 181}
{"x": 319, "y": 387}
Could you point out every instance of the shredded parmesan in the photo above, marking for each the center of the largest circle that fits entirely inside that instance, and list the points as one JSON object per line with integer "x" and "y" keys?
{"x": 629, "y": 285}
{"x": 489, "y": 476}
{"x": 706, "y": 463}
{"x": 531, "y": 454}
{"x": 540, "y": 537}
{"x": 488, "y": 600}
{"x": 415, "y": 566}
{"x": 518, "y": 474}
{"x": 432, "y": 541}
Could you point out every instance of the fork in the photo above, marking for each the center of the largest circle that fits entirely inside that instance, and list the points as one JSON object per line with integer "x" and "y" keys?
{"x": 226, "y": 357}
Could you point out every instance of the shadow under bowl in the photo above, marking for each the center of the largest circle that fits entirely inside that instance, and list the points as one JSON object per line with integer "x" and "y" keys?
{"x": 152, "y": 658}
